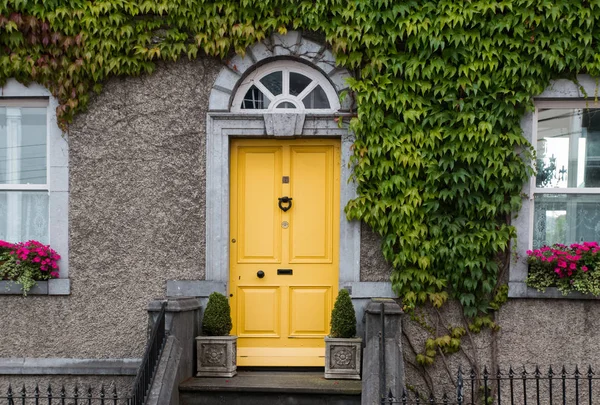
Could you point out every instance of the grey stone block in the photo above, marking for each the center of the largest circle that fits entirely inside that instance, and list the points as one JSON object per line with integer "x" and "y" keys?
{"x": 284, "y": 124}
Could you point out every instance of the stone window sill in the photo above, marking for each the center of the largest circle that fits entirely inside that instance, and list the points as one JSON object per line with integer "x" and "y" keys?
{"x": 518, "y": 289}
{"x": 58, "y": 286}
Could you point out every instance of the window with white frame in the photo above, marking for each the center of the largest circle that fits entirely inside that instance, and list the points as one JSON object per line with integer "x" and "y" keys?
{"x": 286, "y": 86}
{"x": 24, "y": 191}
{"x": 566, "y": 189}
{"x": 34, "y": 174}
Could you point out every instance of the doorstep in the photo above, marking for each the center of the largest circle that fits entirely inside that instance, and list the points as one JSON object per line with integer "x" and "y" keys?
{"x": 270, "y": 387}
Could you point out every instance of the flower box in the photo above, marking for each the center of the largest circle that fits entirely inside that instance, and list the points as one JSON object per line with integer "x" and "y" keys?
{"x": 573, "y": 268}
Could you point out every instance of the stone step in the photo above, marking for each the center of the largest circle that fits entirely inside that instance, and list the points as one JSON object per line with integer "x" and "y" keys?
{"x": 274, "y": 387}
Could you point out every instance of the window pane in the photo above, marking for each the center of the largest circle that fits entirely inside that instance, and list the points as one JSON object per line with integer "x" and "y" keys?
{"x": 316, "y": 99}
{"x": 273, "y": 82}
{"x": 255, "y": 100}
{"x": 286, "y": 104}
{"x": 22, "y": 145}
{"x": 24, "y": 216}
{"x": 568, "y": 147}
{"x": 565, "y": 218}
{"x": 298, "y": 83}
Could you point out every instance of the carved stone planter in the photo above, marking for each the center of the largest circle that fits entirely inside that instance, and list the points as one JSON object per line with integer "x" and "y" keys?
{"x": 343, "y": 358}
{"x": 216, "y": 356}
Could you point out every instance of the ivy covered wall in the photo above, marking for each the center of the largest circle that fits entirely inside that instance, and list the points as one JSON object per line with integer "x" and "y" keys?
{"x": 440, "y": 87}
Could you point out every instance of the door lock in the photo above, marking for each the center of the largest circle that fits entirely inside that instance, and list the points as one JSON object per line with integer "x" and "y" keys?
{"x": 285, "y": 200}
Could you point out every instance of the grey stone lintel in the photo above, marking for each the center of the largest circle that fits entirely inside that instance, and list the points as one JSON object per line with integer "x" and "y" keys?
{"x": 66, "y": 366}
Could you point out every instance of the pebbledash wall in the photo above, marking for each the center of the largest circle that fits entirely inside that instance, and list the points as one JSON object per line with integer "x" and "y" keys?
{"x": 136, "y": 220}
{"x": 137, "y": 231}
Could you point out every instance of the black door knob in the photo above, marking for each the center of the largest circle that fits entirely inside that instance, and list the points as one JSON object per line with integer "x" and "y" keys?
{"x": 260, "y": 274}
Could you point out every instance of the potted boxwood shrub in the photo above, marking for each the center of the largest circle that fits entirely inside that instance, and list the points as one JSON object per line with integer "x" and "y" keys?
{"x": 343, "y": 350}
{"x": 216, "y": 350}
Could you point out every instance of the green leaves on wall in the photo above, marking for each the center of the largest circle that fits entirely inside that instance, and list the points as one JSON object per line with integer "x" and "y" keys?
{"x": 441, "y": 87}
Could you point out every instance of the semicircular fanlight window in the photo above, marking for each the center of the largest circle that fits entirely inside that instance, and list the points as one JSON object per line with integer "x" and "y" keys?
{"x": 287, "y": 88}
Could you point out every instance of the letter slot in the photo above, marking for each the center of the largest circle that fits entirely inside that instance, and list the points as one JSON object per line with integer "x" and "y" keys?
{"x": 285, "y": 272}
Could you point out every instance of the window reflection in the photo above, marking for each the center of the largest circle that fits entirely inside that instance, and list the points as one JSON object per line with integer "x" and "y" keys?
{"x": 568, "y": 148}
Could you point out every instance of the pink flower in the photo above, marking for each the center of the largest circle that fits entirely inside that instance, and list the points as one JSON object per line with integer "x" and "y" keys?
{"x": 584, "y": 268}
{"x": 562, "y": 263}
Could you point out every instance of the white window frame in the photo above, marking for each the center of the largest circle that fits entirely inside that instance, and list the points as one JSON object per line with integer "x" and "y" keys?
{"x": 559, "y": 93}
{"x": 14, "y": 93}
{"x": 287, "y": 67}
{"x": 558, "y": 104}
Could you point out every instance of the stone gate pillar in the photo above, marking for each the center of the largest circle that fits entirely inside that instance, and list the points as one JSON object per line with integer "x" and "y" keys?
{"x": 391, "y": 366}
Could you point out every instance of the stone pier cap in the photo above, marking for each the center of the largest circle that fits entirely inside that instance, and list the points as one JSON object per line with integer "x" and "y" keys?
{"x": 175, "y": 304}
{"x": 390, "y": 306}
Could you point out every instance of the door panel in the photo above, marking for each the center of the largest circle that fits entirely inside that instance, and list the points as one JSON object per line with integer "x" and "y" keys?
{"x": 314, "y": 301}
{"x": 258, "y": 170}
{"x": 282, "y": 317}
{"x": 259, "y": 313}
{"x": 310, "y": 235}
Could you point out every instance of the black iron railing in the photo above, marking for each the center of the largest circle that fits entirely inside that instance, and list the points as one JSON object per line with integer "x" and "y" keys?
{"x": 62, "y": 396}
{"x": 512, "y": 387}
{"x": 154, "y": 348}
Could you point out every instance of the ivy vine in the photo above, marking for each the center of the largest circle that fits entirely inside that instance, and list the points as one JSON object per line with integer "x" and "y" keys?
{"x": 441, "y": 87}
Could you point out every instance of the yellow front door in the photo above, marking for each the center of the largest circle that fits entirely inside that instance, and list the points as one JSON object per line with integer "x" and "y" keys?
{"x": 283, "y": 255}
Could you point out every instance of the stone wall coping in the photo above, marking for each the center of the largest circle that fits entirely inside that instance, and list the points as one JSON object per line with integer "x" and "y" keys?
{"x": 68, "y": 366}
{"x": 165, "y": 385}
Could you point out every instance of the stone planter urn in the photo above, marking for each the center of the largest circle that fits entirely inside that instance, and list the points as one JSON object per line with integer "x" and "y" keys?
{"x": 216, "y": 356}
{"x": 343, "y": 357}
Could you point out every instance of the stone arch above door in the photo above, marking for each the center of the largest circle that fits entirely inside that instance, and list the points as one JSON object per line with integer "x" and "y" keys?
{"x": 291, "y": 46}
